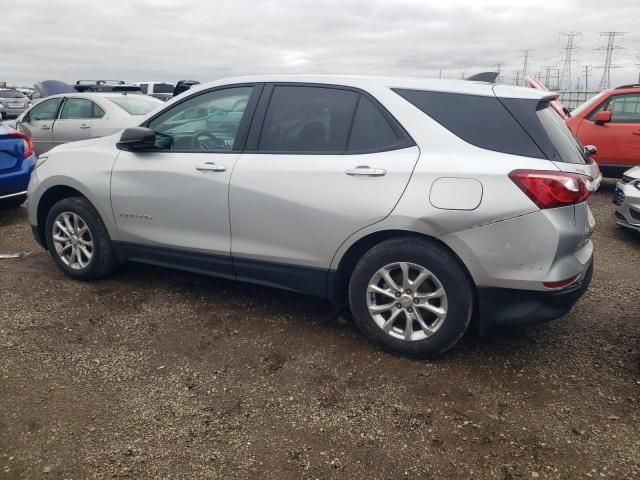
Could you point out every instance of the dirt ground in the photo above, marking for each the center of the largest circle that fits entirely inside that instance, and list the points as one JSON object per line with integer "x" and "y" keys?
{"x": 153, "y": 373}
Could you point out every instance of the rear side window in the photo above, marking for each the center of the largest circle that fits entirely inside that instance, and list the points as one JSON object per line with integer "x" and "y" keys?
{"x": 76, "y": 109}
{"x": 370, "y": 130}
{"x": 162, "y": 88}
{"x": 144, "y": 88}
{"x": 308, "y": 119}
{"x": 479, "y": 120}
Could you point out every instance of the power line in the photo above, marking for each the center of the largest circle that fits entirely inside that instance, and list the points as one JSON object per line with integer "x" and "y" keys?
{"x": 565, "y": 78}
{"x": 605, "y": 81}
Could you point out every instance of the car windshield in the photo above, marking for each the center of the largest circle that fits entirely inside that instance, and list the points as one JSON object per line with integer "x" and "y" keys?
{"x": 136, "y": 104}
{"x": 567, "y": 147}
{"x": 11, "y": 94}
{"x": 163, "y": 88}
{"x": 576, "y": 111}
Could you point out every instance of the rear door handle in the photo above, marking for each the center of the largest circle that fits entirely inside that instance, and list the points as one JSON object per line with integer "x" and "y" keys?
{"x": 45, "y": 127}
{"x": 366, "y": 171}
{"x": 84, "y": 127}
{"x": 211, "y": 167}
{"x": 636, "y": 132}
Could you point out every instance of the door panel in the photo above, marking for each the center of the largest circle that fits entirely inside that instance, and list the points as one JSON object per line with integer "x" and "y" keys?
{"x": 298, "y": 209}
{"x": 71, "y": 130}
{"x": 173, "y": 200}
{"x": 40, "y": 123}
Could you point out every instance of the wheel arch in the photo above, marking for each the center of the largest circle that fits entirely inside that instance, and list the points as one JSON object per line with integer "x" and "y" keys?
{"x": 339, "y": 278}
{"x": 47, "y": 200}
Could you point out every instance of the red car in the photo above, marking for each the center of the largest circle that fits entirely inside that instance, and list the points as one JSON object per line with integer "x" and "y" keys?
{"x": 611, "y": 122}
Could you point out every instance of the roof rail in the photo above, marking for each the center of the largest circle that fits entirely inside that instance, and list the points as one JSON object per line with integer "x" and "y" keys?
{"x": 631, "y": 85}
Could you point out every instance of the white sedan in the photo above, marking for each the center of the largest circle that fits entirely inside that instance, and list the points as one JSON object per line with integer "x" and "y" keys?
{"x": 79, "y": 116}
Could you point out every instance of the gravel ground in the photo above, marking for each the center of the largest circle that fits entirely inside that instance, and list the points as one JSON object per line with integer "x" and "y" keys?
{"x": 153, "y": 373}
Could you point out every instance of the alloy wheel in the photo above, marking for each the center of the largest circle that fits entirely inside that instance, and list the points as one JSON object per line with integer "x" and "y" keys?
{"x": 72, "y": 240}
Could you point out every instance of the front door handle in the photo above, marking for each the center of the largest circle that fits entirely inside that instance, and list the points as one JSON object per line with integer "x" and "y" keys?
{"x": 84, "y": 127}
{"x": 636, "y": 132}
{"x": 366, "y": 171}
{"x": 45, "y": 127}
{"x": 211, "y": 167}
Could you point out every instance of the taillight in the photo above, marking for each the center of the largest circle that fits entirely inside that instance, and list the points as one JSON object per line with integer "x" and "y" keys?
{"x": 549, "y": 189}
{"x": 28, "y": 143}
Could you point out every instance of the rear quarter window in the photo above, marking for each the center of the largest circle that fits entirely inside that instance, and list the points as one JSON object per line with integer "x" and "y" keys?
{"x": 482, "y": 121}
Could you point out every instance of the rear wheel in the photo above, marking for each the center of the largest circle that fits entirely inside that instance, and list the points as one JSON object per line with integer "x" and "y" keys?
{"x": 411, "y": 296}
{"x": 78, "y": 241}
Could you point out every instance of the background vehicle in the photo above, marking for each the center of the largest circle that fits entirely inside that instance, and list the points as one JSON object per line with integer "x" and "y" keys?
{"x": 105, "y": 86}
{"x": 17, "y": 160}
{"x": 373, "y": 192}
{"x": 70, "y": 117}
{"x": 627, "y": 199}
{"x": 160, "y": 90}
{"x": 184, "y": 85}
{"x": 611, "y": 122}
{"x": 12, "y": 103}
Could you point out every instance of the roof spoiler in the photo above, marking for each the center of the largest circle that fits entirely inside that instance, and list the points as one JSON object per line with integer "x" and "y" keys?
{"x": 489, "y": 77}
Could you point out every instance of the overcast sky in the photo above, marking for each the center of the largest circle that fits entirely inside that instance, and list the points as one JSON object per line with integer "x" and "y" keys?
{"x": 209, "y": 39}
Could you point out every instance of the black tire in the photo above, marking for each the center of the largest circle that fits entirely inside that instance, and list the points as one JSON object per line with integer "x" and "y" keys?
{"x": 13, "y": 202}
{"x": 448, "y": 270}
{"x": 103, "y": 260}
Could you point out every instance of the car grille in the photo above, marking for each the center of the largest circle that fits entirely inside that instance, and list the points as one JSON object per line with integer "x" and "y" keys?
{"x": 618, "y": 196}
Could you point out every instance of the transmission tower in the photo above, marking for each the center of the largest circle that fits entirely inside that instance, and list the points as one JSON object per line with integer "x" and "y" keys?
{"x": 516, "y": 77}
{"x": 587, "y": 72}
{"x": 565, "y": 78}
{"x": 638, "y": 63}
{"x": 605, "y": 81}
{"x": 499, "y": 66}
{"x": 546, "y": 75}
{"x": 526, "y": 54}
{"x": 463, "y": 74}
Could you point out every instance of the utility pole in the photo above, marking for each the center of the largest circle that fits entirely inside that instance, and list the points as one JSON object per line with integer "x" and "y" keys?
{"x": 463, "y": 74}
{"x": 499, "y": 66}
{"x": 547, "y": 75}
{"x": 440, "y": 74}
{"x": 587, "y": 71}
{"x": 526, "y": 54}
{"x": 605, "y": 81}
{"x": 565, "y": 78}
{"x": 638, "y": 63}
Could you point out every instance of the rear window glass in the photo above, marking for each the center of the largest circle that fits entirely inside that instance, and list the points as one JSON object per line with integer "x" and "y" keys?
{"x": 163, "y": 88}
{"x": 479, "y": 120}
{"x": 566, "y": 146}
{"x": 11, "y": 94}
{"x": 136, "y": 104}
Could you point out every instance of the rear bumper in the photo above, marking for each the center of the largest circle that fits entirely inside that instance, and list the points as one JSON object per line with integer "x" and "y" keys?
{"x": 16, "y": 181}
{"x": 503, "y": 306}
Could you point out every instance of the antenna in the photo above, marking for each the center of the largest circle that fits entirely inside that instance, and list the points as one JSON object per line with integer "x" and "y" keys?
{"x": 605, "y": 81}
{"x": 565, "y": 77}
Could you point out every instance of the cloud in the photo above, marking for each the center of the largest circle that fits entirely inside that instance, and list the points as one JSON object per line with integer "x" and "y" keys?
{"x": 206, "y": 40}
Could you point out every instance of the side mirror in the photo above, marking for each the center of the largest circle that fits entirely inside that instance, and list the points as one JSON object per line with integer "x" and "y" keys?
{"x": 590, "y": 150}
{"x": 137, "y": 138}
{"x": 602, "y": 117}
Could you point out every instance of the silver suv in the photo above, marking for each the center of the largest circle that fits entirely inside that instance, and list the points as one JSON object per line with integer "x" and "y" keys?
{"x": 420, "y": 204}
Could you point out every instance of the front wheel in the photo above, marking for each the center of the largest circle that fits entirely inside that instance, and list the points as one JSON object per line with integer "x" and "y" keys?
{"x": 78, "y": 241}
{"x": 411, "y": 296}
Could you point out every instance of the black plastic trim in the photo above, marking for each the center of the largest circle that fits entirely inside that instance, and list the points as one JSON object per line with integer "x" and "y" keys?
{"x": 297, "y": 278}
{"x": 504, "y": 306}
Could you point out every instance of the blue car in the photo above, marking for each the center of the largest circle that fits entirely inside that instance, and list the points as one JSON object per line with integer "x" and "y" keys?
{"x": 17, "y": 161}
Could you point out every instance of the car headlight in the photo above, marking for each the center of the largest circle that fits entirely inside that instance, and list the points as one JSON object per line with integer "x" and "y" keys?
{"x": 41, "y": 160}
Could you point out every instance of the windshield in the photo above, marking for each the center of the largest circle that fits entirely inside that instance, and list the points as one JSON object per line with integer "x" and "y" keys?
{"x": 10, "y": 94}
{"x": 136, "y": 104}
{"x": 163, "y": 88}
{"x": 567, "y": 148}
{"x": 576, "y": 111}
